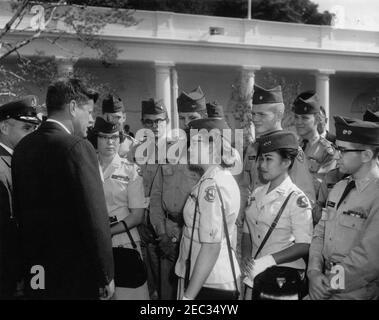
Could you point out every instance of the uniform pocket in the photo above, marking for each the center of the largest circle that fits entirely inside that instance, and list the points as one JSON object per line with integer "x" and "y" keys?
{"x": 351, "y": 222}
{"x": 167, "y": 170}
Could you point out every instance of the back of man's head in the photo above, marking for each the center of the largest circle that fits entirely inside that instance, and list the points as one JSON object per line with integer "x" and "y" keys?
{"x": 63, "y": 91}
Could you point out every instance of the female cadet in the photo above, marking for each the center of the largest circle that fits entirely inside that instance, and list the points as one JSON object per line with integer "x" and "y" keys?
{"x": 205, "y": 261}
{"x": 290, "y": 239}
{"x": 124, "y": 194}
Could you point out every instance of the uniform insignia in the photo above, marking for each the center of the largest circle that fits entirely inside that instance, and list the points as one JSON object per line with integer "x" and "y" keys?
{"x": 331, "y": 204}
{"x": 252, "y": 157}
{"x": 210, "y": 194}
{"x": 300, "y": 155}
{"x": 120, "y": 178}
{"x": 213, "y": 233}
{"x": 302, "y": 202}
{"x": 280, "y": 281}
{"x": 139, "y": 171}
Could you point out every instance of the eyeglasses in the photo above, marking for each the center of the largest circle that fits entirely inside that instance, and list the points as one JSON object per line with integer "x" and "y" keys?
{"x": 111, "y": 138}
{"x": 343, "y": 150}
{"x": 150, "y": 123}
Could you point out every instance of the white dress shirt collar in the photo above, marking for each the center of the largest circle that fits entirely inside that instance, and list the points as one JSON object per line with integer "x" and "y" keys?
{"x": 10, "y": 150}
{"x": 59, "y": 123}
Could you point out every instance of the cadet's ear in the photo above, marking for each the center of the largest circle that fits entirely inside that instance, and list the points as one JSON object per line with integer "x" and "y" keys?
{"x": 367, "y": 155}
{"x": 4, "y": 127}
{"x": 72, "y": 107}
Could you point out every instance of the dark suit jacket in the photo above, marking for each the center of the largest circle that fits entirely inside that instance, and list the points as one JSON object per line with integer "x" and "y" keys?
{"x": 9, "y": 251}
{"x": 60, "y": 205}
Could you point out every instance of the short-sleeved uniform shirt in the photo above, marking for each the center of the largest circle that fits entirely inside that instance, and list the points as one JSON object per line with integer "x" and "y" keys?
{"x": 123, "y": 188}
{"x": 349, "y": 236}
{"x": 294, "y": 226}
{"x": 209, "y": 225}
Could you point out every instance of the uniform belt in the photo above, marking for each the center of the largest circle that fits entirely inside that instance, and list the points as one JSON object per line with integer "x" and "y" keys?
{"x": 176, "y": 217}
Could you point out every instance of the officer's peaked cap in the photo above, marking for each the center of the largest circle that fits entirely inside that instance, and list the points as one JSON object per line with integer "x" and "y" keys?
{"x": 22, "y": 110}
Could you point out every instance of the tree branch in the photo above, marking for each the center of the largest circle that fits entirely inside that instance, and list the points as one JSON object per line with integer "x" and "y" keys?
{"x": 13, "y": 19}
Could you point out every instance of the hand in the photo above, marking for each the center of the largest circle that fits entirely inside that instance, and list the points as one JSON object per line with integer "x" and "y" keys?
{"x": 107, "y": 292}
{"x": 166, "y": 246}
{"x": 246, "y": 266}
{"x": 319, "y": 286}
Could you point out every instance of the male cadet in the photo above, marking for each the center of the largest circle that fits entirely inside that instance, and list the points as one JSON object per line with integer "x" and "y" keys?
{"x": 113, "y": 110}
{"x": 321, "y": 127}
{"x": 267, "y": 115}
{"x": 172, "y": 186}
{"x": 335, "y": 175}
{"x": 148, "y": 153}
{"x": 319, "y": 152}
{"x": 343, "y": 257}
{"x": 17, "y": 119}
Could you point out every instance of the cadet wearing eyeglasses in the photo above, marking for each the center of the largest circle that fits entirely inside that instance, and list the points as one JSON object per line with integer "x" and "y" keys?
{"x": 346, "y": 240}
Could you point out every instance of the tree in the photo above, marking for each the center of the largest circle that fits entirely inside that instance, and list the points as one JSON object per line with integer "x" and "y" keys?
{"x": 77, "y": 16}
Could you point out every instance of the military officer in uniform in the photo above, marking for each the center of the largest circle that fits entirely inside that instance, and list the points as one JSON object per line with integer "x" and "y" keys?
{"x": 17, "y": 119}
{"x": 319, "y": 152}
{"x": 267, "y": 112}
{"x": 172, "y": 185}
{"x": 289, "y": 242}
{"x": 343, "y": 257}
{"x": 210, "y": 267}
{"x": 124, "y": 195}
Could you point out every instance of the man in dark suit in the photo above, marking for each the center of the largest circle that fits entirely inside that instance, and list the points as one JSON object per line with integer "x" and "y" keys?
{"x": 17, "y": 119}
{"x": 59, "y": 202}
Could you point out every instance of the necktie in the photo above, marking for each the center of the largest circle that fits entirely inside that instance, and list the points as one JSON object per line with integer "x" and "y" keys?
{"x": 349, "y": 187}
{"x": 305, "y": 142}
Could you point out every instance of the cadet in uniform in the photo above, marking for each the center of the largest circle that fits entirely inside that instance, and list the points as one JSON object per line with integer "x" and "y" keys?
{"x": 321, "y": 127}
{"x": 267, "y": 112}
{"x": 124, "y": 195}
{"x": 289, "y": 241}
{"x": 148, "y": 153}
{"x": 17, "y": 119}
{"x": 210, "y": 265}
{"x": 343, "y": 258}
{"x": 319, "y": 152}
{"x": 172, "y": 185}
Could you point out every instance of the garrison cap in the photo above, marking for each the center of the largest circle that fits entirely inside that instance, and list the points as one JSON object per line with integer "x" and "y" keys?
{"x": 105, "y": 127}
{"x": 22, "y": 110}
{"x": 306, "y": 103}
{"x": 153, "y": 107}
{"x": 371, "y": 116}
{"x": 208, "y": 124}
{"x": 265, "y": 96}
{"x": 112, "y": 104}
{"x": 357, "y": 131}
{"x": 278, "y": 140}
{"x": 215, "y": 110}
{"x": 191, "y": 102}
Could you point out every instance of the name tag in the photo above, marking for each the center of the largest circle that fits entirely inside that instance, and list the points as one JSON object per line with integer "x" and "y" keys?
{"x": 123, "y": 179}
{"x": 331, "y": 204}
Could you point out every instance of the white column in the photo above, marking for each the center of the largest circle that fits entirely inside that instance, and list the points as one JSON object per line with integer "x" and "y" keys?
{"x": 163, "y": 86}
{"x": 65, "y": 65}
{"x": 322, "y": 89}
{"x": 175, "y": 89}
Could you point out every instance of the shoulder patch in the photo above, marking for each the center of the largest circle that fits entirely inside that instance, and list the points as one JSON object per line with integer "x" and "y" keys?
{"x": 328, "y": 145}
{"x": 302, "y": 202}
{"x": 210, "y": 194}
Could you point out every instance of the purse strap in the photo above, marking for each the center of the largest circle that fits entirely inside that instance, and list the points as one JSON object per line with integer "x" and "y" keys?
{"x": 227, "y": 239}
{"x": 129, "y": 234}
{"x": 273, "y": 225}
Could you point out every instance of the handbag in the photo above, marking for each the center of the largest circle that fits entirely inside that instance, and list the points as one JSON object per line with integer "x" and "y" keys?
{"x": 277, "y": 282}
{"x": 207, "y": 293}
{"x": 130, "y": 270}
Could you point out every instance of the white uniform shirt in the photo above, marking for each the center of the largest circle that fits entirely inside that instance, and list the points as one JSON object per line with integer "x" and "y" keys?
{"x": 294, "y": 226}
{"x": 123, "y": 188}
{"x": 209, "y": 225}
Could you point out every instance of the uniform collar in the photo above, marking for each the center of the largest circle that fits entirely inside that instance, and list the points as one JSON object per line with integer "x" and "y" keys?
{"x": 362, "y": 184}
{"x": 282, "y": 190}
{"x": 9, "y": 150}
{"x": 115, "y": 164}
{"x": 314, "y": 140}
